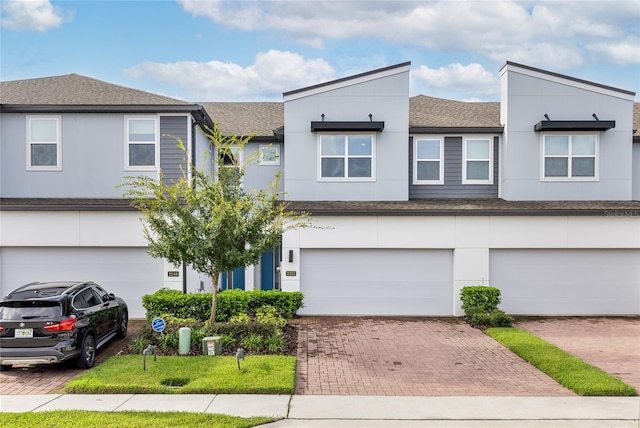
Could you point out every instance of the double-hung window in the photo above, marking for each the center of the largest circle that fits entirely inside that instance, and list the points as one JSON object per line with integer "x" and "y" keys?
{"x": 346, "y": 157}
{"x": 142, "y": 143}
{"x": 43, "y": 143}
{"x": 569, "y": 157}
{"x": 477, "y": 154}
{"x": 428, "y": 165}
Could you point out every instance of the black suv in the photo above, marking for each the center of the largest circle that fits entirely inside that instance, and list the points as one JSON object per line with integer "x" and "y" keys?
{"x": 51, "y": 322}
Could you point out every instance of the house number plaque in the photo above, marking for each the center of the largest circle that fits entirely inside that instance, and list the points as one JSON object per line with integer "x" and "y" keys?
{"x": 290, "y": 273}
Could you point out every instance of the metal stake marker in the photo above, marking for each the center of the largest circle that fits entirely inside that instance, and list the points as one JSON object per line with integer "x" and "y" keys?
{"x": 151, "y": 349}
{"x": 239, "y": 356}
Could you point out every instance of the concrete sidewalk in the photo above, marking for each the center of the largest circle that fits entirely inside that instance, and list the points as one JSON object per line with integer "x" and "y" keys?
{"x": 360, "y": 411}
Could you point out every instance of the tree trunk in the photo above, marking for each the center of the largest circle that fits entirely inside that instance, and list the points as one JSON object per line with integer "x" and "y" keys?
{"x": 214, "y": 296}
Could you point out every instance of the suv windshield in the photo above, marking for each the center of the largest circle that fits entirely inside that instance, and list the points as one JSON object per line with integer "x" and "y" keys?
{"x": 23, "y": 310}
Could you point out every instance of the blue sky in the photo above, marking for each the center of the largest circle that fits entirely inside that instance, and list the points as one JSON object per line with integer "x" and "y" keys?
{"x": 209, "y": 50}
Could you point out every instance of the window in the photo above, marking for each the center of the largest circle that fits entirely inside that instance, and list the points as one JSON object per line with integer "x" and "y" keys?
{"x": 269, "y": 154}
{"x": 43, "y": 143}
{"x": 569, "y": 157}
{"x": 346, "y": 157}
{"x": 477, "y": 161}
{"x": 428, "y": 165}
{"x": 142, "y": 143}
{"x": 230, "y": 165}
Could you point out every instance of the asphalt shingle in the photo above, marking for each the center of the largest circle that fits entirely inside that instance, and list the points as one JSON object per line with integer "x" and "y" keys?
{"x": 77, "y": 90}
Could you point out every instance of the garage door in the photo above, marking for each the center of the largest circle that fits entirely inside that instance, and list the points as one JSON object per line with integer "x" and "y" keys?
{"x": 567, "y": 282}
{"x": 127, "y": 272}
{"x": 376, "y": 282}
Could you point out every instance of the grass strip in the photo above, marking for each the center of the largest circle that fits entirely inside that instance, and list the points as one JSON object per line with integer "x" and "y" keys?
{"x": 273, "y": 374}
{"x": 566, "y": 369}
{"x": 91, "y": 419}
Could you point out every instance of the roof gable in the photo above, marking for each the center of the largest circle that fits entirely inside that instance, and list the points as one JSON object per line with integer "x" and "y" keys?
{"x": 348, "y": 81}
{"x": 566, "y": 80}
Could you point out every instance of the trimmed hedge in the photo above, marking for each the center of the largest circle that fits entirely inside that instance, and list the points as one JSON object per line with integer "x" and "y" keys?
{"x": 480, "y": 304}
{"x": 229, "y": 303}
{"x": 480, "y": 296}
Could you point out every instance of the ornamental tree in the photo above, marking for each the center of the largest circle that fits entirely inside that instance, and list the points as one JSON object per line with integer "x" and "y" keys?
{"x": 206, "y": 219}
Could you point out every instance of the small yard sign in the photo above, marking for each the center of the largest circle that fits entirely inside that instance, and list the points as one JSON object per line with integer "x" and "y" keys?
{"x": 158, "y": 324}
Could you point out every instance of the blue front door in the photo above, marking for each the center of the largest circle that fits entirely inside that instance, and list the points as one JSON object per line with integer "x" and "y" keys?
{"x": 269, "y": 264}
{"x": 267, "y": 270}
{"x": 234, "y": 281}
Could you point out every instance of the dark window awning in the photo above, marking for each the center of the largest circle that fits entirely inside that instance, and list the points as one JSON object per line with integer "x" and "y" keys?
{"x": 347, "y": 126}
{"x": 574, "y": 125}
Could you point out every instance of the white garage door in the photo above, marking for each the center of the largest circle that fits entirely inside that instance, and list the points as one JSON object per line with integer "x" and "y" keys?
{"x": 376, "y": 282}
{"x": 567, "y": 282}
{"x": 127, "y": 272}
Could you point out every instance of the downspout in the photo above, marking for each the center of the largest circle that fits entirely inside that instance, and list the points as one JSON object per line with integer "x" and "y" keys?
{"x": 193, "y": 162}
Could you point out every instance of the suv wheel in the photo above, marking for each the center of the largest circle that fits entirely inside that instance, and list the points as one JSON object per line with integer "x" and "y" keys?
{"x": 5, "y": 367}
{"x": 88, "y": 353}
{"x": 123, "y": 325}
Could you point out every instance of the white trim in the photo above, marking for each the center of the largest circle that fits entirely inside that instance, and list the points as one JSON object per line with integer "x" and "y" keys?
{"x": 275, "y": 160}
{"x": 569, "y": 156}
{"x": 415, "y": 160}
{"x": 346, "y": 156}
{"x": 57, "y": 142}
{"x": 513, "y": 68}
{"x": 491, "y": 139}
{"x": 347, "y": 82}
{"x": 156, "y": 166}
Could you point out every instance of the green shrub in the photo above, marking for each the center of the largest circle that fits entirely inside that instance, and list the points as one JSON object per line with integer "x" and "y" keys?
{"x": 268, "y": 314}
{"x": 479, "y": 318}
{"x": 227, "y": 340}
{"x": 487, "y": 298}
{"x": 137, "y": 345}
{"x": 252, "y": 343}
{"x": 274, "y": 344}
{"x": 197, "y": 335}
{"x": 165, "y": 301}
{"x": 239, "y": 318}
{"x": 241, "y": 330}
{"x": 480, "y": 304}
{"x": 169, "y": 341}
{"x": 499, "y": 318}
{"x": 230, "y": 303}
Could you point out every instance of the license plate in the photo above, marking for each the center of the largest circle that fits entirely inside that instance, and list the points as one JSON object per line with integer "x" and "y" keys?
{"x": 24, "y": 332}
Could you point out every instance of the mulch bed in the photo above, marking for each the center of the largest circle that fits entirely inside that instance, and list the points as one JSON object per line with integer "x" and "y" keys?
{"x": 141, "y": 328}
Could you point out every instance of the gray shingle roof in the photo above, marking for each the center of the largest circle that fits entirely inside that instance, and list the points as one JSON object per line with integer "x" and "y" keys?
{"x": 430, "y": 112}
{"x": 240, "y": 118}
{"x": 421, "y": 207}
{"x": 428, "y": 207}
{"x": 235, "y": 118}
{"x": 74, "y": 90}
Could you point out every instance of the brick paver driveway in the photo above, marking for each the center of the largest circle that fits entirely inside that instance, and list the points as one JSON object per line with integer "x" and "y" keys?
{"x": 610, "y": 343}
{"x": 410, "y": 356}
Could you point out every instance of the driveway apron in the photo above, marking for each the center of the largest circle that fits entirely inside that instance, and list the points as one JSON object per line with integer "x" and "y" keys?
{"x": 610, "y": 343}
{"x": 410, "y": 356}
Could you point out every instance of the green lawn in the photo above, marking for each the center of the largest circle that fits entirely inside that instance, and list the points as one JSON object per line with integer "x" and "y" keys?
{"x": 86, "y": 419}
{"x": 274, "y": 374}
{"x": 564, "y": 368}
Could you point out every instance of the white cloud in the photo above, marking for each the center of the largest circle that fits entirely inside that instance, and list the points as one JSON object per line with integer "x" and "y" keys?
{"x": 549, "y": 33}
{"x": 624, "y": 53}
{"x": 472, "y": 81}
{"x": 30, "y": 15}
{"x": 272, "y": 73}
